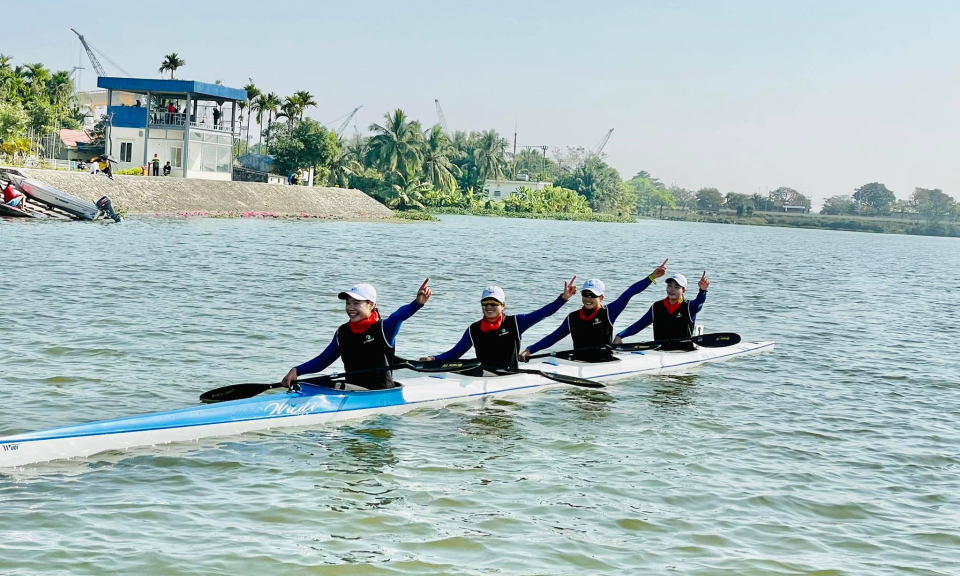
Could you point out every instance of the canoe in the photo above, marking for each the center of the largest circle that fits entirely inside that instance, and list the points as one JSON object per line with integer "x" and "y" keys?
{"x": 52, "y": 197}
{"x": 314, "y": 405}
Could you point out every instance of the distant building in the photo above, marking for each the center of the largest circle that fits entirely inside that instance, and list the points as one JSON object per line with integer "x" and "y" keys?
{"x": 75, "y": 145}
{"x": 794, "y": 209}
{"x": 499, "y": 190}
{"x": 190, "y": 124}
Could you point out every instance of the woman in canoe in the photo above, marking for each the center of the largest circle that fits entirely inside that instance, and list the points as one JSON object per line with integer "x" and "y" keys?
{"x": 496, "y": 337}
{"x": 591, "y": 327}
{"x": 365, "y": 341}
{"x": 673, "y": 318}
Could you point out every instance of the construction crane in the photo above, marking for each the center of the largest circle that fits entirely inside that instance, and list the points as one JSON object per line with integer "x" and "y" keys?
{"x": 603, "y": 142}
{"x": 347, "y": 121}
{"x": 343, "y": 125}
{"x": 441, "y": 118}
{"x": 93, "y": 58}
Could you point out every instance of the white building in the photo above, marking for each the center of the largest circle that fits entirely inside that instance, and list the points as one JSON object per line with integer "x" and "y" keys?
{"x": 498, "y": 190}
{"x": 192, "y": 125}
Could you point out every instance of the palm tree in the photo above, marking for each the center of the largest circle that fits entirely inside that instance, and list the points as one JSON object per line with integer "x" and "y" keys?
{"x": 5, "y": 61}
{"x": 303, "y": 99}
{"x": 343, "y": 167}
{"x": 357, "y": 149}
{"x": 259, "y": 106}
{"x": 38, "y": 76}
{"x": 289, "y": 109}
{"x": 395, "y": 146}
{"x": 172, "y": 62}
{"x": 272, "y": 104}
{"x": 489, "y": 156}
{"x": 252, "y": 93}
{"x": 437, "y": 167}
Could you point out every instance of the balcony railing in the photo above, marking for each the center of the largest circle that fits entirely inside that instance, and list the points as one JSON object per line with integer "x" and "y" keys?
{"x": 178, "y": 120}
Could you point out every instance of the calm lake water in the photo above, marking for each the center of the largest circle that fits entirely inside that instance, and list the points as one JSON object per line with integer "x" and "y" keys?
{"x": 836, "y": 454}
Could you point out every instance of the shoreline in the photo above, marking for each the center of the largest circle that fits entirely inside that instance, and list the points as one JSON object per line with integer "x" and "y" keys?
{"x": 156, "y": 195}
{"x": 826, "y": 222}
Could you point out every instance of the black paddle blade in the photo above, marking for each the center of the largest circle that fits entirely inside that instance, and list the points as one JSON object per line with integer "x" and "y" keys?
{"x": 572, "y": 380}
{"x": 235, "y": 392}
{"x": 718, "y": 340}
{"x": 438, "y": 366}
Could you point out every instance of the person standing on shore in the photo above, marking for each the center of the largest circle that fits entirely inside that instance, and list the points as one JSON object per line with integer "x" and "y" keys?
{"x": 591, "y": 327}
{"x": 673, "y": 318}
{"x": 496, "y": 337}
{"x": 365, "y": 341}
{"x": 155, "y": 165}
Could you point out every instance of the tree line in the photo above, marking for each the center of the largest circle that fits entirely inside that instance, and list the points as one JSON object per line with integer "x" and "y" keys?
{"x": 875, "y": 199}
{"x": 33, "y": 99}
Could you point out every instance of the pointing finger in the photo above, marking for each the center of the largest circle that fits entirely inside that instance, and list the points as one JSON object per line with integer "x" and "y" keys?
{"x": 664, "y": 263}
{"x": 424, "y": 285}
{"x": 704, "y": 277}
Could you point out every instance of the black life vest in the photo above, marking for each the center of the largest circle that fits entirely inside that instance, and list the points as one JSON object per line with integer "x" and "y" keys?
{"x": 676, "y": 326}
{"x": 369, "y": 349}
{"x": 498, "y": 348}
{"x": 593, "y": 333}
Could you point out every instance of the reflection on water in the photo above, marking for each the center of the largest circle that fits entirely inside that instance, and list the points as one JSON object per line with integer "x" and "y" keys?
{"x": 366, "y": 450}
{"x": 674, "y": 392}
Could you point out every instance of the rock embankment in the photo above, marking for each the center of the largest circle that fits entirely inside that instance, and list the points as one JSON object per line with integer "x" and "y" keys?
{"x": 152, "y": 195}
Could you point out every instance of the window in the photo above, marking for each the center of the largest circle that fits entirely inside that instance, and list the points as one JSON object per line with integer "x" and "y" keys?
{"x": 176, "y": 157}
{"x": 126, "y": 151}
{"x": 496, "y": 193}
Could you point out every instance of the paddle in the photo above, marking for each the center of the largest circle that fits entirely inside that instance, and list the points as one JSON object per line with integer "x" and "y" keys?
{"x": 248, "y": 390}
{"x": 718, "y": 340}
{"x": 562, "y": 378}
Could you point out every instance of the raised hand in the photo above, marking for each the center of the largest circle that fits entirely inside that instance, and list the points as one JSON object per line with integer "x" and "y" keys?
{"x": 704, "y": 283}
{"x": 424, "y": 293}
{"x": 569, "y": 288}
{"x": 660, "y": 270}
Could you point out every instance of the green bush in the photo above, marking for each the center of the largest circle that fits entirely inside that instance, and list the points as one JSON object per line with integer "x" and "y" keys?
{"x": 130, "y": 172}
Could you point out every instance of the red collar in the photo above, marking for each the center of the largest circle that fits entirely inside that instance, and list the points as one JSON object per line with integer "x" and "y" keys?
{"x": 671, "y": 308}
{"x": 584, "y": 316}
{"x": 488, "y": 326}
{"x": 361, "y": 326}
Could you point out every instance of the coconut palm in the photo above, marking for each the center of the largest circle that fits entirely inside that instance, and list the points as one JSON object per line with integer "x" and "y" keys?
{"x": 289, "y": 109}
{"x": 357, "y": 149}
{"x": 407, "y": 192}
{"x": 271, "y": 104}
{"x": 437, "y": 152}
{"x": 395, "y": 146}
{"x": 5, "y": 61}
{"x": 343, "y": 167}
{"x": 489, "y": 156}
{"x": 172, "y": 62}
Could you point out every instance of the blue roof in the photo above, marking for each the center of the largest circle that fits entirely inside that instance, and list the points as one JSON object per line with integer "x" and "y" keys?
{"x": 156, "y": 85}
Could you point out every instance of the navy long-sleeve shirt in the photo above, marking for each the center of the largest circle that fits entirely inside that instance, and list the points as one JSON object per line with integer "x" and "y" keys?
{"x": 613, "y": 311}
{"x": 391, "y": 327}
{"x": 695, "y": 306}
{"x": 524, "y": 322}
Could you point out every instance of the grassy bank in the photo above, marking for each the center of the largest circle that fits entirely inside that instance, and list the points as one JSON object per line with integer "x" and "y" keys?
{"x": 817, "y": 221}
{"x": 589, "y": 217}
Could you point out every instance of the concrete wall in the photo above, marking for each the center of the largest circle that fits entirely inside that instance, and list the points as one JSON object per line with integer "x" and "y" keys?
{"x": 150, "y": 195}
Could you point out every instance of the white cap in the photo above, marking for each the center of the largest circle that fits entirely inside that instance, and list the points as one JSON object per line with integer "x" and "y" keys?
{"x": 494, "y": 292}
{"x": 595, "y": 286}
{"x": 679, "y": 279}
{"x": 360, "y": 292}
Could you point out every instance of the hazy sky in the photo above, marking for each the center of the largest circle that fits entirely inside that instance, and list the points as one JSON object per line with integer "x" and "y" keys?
{"x": 821, "y": 96}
